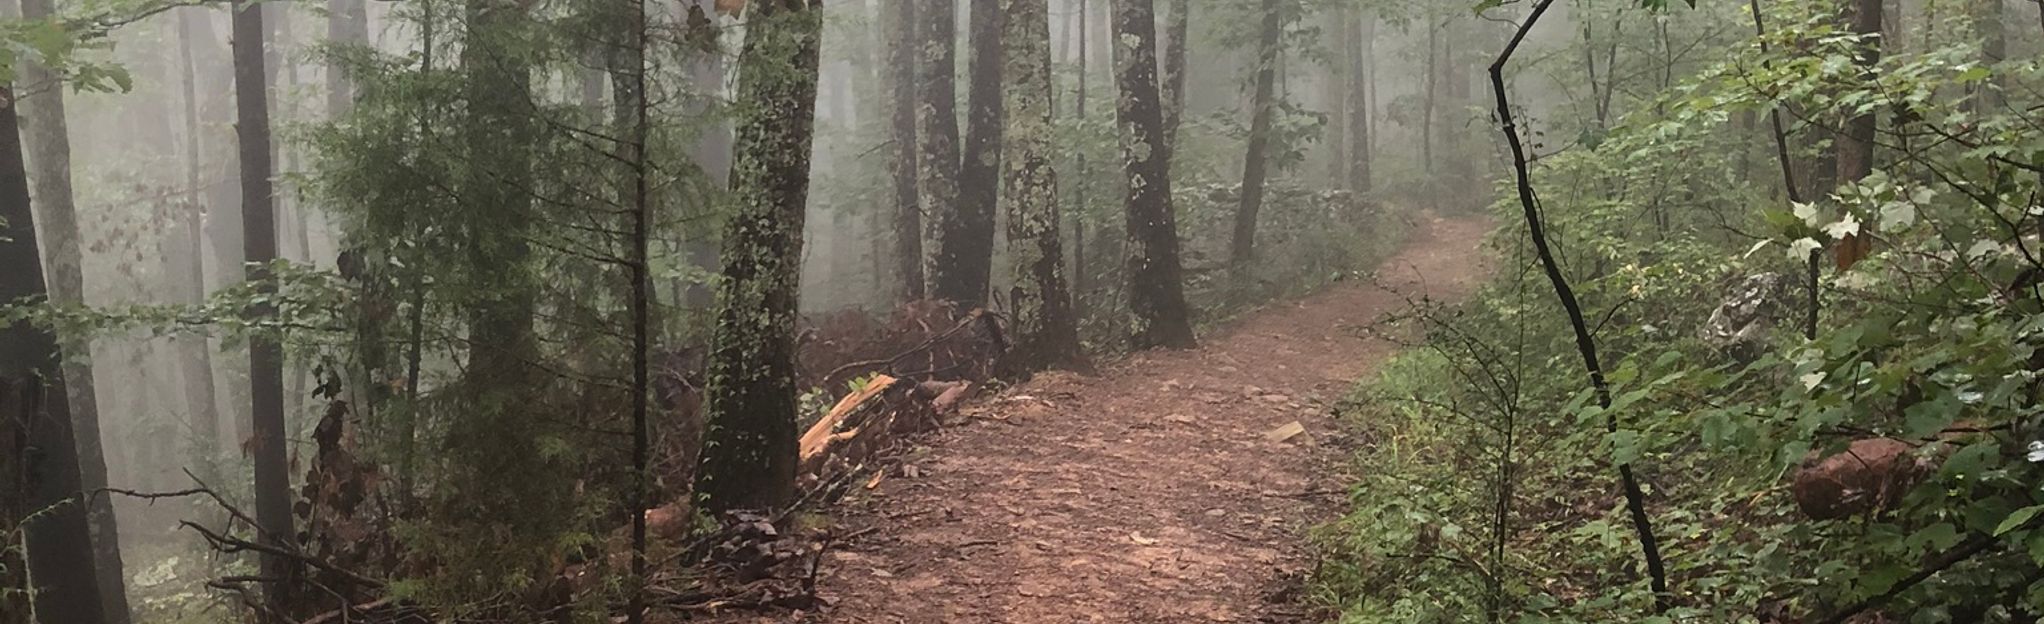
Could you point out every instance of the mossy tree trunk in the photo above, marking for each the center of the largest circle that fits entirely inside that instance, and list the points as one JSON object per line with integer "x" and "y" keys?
{"x": 749, "y": 448}
{"x": 1177, "y": 29}
{"x": 41, "y": 452}
{"x": 1155, "y": 278}
{"x": 47, "y": 137}
{"x": 937, "y": 165}
{"x": 1256, "y": 162}
{"x": 1046, "y": 333}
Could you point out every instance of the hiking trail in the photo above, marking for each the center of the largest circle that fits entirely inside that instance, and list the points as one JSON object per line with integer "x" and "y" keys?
{"x": 1152, "y": 492}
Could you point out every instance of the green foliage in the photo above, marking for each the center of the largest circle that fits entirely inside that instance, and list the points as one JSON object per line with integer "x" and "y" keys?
{"x": 1489, "y": 497}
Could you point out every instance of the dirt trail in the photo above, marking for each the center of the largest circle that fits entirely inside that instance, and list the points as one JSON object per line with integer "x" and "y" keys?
{"x": 1149, "y": 493}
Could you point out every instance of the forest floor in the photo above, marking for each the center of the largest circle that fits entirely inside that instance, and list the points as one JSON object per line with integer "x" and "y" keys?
{"x": 1155, "y": 491}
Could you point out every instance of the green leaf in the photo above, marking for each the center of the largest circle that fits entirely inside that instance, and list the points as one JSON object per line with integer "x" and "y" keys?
{"x": 2017, "y": 519}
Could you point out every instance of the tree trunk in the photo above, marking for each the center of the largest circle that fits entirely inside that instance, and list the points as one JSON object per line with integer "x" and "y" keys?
{"x": 1856, "y": 143}
{"x": 1335, "y": 90}
{"x": 633, "y": 121}
{"x": 1359, "y": 77}
{"x": 1044, "y": 329}
{"x": 1081, "y": 280}
{"x": 1255, "y": 165}
{"x": 937, "y": 165}
{"x": 749, "y": 450}
{"x": 1177, "y": 29}
{"x": 902, "y": 51}
{"x": 195, "y": 352}
{"x": 347, "y": 23}
{"x": 266, "y": 354}
{"x": 1432, "y": 88}
{"x": 48, "y": 140}
{"x": 966, "y": 249}
{"x": 1155, "y": 287}
{"x": 59, "y": 537}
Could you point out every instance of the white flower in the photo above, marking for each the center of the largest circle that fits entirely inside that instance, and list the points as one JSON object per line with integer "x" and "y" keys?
{"x": 1847, "y": 225}
{"x": 1807, "y": 212}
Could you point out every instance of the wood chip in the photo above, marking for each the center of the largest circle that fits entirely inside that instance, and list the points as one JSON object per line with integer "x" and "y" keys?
{"x": 1288, "y": 431}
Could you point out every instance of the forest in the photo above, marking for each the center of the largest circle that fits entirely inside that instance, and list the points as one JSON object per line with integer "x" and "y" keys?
{"x": 1358, "y": 311}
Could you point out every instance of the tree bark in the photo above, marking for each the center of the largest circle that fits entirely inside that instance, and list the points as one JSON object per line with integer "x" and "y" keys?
{"x": 1155, "y": 286}
{"x": 1256, "y": 163}
{"x": 1081, "y": 280}
{"x": 47, "y": 137}
{"x": 902, "y": 50}
{"x": 749, "y": 450}
{"x": 1335, "y": 91}
{"x": 61, "y": 562}
{"x": 937, "y": 166}
{"x": 1044, "y": 329}
{"x": 266, "y": 354}
{"x": 966, "y": 248}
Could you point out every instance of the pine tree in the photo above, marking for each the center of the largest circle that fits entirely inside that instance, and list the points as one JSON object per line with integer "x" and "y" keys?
{"x": 748, "y": 457}
{"x": 1155, "y": 279}
{"x": 1045, "y": 330}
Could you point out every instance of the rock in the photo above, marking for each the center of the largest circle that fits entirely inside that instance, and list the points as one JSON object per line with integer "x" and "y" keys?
{"x": 1870, "y": 474}
{"x": 1740, "y": 324}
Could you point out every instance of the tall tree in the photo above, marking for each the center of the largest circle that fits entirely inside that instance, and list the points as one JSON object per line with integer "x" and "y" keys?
{"x": 937, "y": 166}
{"x": 634, "y": 125}
{"x": 1177, "y": 31}
{"x": 1358, "y": 112}
{"x": 195, "y": 352}
{"x": 266, "y": 353}
{"x": 1080, "y": 198}
{"x": 347, "y": 23}
{"x": 712, "y": 151}
{"x": 1256, "y": 163}
{"x": 42, "y": 454}
{"x": 1856, "y": 142}
{"x": 749, "y": 448}
{"x": 1155, "y": 278}
{"x": 966, "y": 249}
{"x": 46, "y": 131}
{"x": 902, "y": 50}
{"x": 1046, "y": 332}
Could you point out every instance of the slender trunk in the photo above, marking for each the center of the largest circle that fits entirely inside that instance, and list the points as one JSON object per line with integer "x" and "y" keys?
{"x": 266, "y": 354}
{"x": 1081, "y": 281}
{"x": 1335, "y": 91}
{"x": 1426, "y": 122}
{"x": 1812, "y": 266}
{"x": 1045, "y": 332}
{"x": 966, "y": 249}
{"x": 937, "y": 166}
{"x": 347, "y": 23}
{"x": 195, "y": 351}
{"x": 1856, "y": 143}
{"x": 1154, "y": 277}
{"x": 635, "y": 121}
{"x": 1586, "y": 346}
{"x": 908, "y": 214}
{"x": 1359, "y": 104}
{"x": 748, "y": 458}
{"x": 1256, "y": 163}
{"x": 48, "y": 140}
{"x": 58, "y": 538}
{"x": 1177, "y": 29}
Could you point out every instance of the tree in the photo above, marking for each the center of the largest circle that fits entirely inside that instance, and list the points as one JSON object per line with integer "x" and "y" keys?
{"x": 1156, "y": 290}
{"x": 347, "y": 23}
{"x": 937, "y": 166}
{"x": 712, "y": 150}
{"x": 1856, "y": 142}
{"x": 1256, "y": 164}
{"x": 1177, "y": 29}
{"x": 42, "y": 456}
{"x": 47, "y": 137}
{"x": 966, "y": 247}
{"x": 1358, "y": 111}
{"x": 195, "y": 353}
{"x": 266, "y": 353}
{"x": 1046, "y": 333}
{"x": 748, "y": 457}
{"x": 902, "y": 167}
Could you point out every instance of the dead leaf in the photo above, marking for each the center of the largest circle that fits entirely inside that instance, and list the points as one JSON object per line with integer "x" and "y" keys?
{"x": 1288, "y": 431}
{"x": 1140, "y": 540}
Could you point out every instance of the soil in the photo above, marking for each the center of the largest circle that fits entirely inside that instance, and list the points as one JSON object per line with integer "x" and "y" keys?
{"x": 1155, "y": 491}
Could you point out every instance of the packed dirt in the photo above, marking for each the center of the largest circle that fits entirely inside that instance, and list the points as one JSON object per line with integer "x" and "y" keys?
{"x": 1164, "y": 489}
